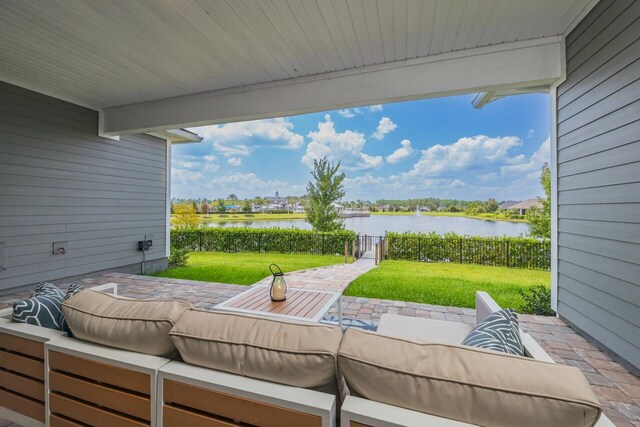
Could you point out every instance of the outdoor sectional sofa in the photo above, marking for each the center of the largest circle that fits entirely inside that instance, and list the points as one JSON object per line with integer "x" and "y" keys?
{"x": 230, "y": 370}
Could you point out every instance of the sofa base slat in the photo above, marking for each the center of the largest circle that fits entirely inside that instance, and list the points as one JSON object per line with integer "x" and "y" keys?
{"x": 100, "y": 372}
{"x": 89, "y": 414}
{"x": 22, "y": 405}
{"x": 235, "y": 407}
{"x": 177, "y": 417}
{"x": 58, "y": 421}
{"x": 22, "y": 365}
{"x": 22, "y": 345}
{"x": 22, "y": 385}
{"x": 117, "y": 400}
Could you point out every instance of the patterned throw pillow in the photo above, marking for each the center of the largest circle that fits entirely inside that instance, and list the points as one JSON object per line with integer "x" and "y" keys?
{"x": 46, "y": 288}
{"x": 499, "y": 332}
{"x": 73, "y": 289}
{"x": 42, "y": 309}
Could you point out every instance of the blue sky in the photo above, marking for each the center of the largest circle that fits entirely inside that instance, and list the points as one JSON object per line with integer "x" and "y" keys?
{"x": 439, "y": 147}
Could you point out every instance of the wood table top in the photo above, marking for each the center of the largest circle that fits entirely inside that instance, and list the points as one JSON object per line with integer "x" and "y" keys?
{"x": 301, "y": 304}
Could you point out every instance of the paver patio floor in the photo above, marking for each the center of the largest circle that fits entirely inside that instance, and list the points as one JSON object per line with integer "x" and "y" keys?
{"x": 617, "y": 389}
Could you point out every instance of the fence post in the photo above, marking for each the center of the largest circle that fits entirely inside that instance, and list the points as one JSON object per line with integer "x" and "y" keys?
{"x": 375, "y": 254}
{"x": 290, "y": 248}
{"x": 353, "y": 250}
{"x": 460, "y": 250}
{"x": 346, "y": 252}
{"x": 200, "y": 240}
{"x": 419, "y": 248}
{"x": 259, "y": 243}
{"x": 508, "y": 254}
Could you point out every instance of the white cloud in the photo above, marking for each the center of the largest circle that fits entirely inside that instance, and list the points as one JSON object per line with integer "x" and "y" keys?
{"x": 404, "y": 152}
{"x": 464, "y": 154}
{"x": 530, "y": 133}
{"x": 375, "y": 108}
{"x": 345, "y": 147}
{"x": 350, "y": 112}
{"x": 236, "y": 139}
{"x": 384, "y": 127}
{"x": 235, "y": 161}
{"x": 401, "y": 186}
{"x": 487, "y": 177}
{"x": 532, "y": 164}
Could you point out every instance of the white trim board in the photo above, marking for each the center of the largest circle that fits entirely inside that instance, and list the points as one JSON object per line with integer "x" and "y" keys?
{"x": 506, "y": 66}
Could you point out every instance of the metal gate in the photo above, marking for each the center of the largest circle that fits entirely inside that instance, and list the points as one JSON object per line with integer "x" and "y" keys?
{"x": 366, "y": 246}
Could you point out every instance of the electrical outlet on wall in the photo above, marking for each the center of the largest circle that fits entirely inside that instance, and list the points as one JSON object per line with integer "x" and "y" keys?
{"x": 60, "y": 248}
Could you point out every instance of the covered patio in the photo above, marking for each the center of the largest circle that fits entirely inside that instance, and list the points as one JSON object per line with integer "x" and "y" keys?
{"x": 94, "y": 93}
{"x": 617, "y": 389}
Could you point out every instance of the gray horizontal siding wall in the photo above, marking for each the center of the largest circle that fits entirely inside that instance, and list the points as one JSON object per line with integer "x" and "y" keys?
{"x": 60, "y": 182}
{"x": 599, "y": 178}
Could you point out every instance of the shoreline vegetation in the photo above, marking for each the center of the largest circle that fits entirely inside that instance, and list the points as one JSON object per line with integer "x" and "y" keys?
{"x": 242, "y": 217}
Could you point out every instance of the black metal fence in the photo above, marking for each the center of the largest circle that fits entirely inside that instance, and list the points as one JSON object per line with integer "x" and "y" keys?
{"x": 514, "y": 252}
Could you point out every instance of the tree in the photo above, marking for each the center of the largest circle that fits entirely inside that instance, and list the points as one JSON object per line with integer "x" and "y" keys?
{"x": 204, "y": 207}
{"x": 221, "y": 206}
{"x": 232, "y": 197}
{"x": 323, "y": 192}
{"x": 246, "y": 206}
{"x": 491, "y": 205}
{"x": 185, "y": 216}
{"x": 540, "y": 218}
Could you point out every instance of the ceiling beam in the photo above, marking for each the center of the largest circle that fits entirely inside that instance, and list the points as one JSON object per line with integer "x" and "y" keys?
{"x": 506, "y": 66}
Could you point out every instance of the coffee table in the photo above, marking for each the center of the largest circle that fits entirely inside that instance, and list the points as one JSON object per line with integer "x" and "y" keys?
{"x": 301, "y": 304}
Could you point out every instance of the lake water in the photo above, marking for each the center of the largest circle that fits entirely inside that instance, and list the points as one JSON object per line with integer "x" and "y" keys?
{"x": 376, "y": 225}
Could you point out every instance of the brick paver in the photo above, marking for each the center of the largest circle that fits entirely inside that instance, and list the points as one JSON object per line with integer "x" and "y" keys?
{"x": 617, "y": 389}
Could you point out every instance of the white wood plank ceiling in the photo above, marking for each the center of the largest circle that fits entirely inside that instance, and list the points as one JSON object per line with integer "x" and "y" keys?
{"x": 103, "y": 53}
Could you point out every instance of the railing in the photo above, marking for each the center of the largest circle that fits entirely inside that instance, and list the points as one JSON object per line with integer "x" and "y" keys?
{"x": 513, "y": 252}
{"x": 239, "y": 239}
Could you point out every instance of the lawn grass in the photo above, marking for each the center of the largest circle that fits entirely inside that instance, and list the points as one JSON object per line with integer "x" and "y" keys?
{"x": 242, "y": 268}
{"x": 445, "y": 283}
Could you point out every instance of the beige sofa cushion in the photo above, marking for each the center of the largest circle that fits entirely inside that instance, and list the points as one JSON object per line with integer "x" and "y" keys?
{"x": 299, "y": 354}
{"x": 129, "y": 324}
{"x": 430, "y": 330}
{"x": 465, "y": 384}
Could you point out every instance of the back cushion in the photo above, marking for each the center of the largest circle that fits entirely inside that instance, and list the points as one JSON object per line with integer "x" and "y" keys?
{"x": 282, "y": 351}
{"x": 466, "y": 384}
{"x": 129, "y": 324}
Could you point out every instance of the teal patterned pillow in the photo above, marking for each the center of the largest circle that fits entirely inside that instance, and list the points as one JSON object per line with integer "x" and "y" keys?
{"x": 499, "y": 331}
{"x": 42, "y": 309}
{"x": 73, "y": 289}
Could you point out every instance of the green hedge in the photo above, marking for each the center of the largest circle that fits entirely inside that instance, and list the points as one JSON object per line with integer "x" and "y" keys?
{"x": 515, "y": 252}
{"x": 241, "y": 239}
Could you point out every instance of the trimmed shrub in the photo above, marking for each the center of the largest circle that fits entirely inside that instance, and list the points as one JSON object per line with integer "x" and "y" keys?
{"x": 279, "y": 240}
{"x": 537, "y": 300}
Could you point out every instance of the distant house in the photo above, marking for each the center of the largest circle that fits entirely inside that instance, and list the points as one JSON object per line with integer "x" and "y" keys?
{"x": 384, "y": 208}
{"x": 508, "y": 204}
{"x": 525, "y": 205}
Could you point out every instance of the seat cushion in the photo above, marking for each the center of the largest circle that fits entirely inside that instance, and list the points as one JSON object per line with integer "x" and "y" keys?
{"x": 499, "y": 331}
{"x": 430, "y": 330}
{"x": 464, "y": 383}
{"x": 129, "y": 324}
{"x": 300, "y": 354}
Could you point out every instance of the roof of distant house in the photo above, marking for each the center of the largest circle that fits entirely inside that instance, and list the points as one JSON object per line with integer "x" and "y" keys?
{"x": 527, "y": 204}
{"x": 508, "y": 204}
